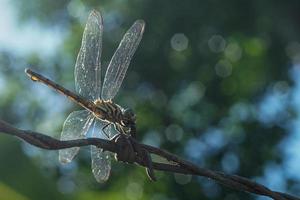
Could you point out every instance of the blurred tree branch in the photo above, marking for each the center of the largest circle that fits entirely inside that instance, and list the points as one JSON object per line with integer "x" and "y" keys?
{"x": 128, "y": 150}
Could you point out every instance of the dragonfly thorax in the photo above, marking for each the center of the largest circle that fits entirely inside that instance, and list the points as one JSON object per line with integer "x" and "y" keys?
{"x": 112, "y": 112}
{"x": 107, "y": 110}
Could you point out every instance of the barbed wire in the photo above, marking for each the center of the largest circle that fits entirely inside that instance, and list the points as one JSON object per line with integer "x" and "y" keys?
{"x": 129, "y": 150}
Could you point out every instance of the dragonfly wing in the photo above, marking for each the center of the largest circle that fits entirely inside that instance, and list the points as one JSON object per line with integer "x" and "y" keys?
{"x": 88, "y": 64}
{"x": 120, "y": 61}
{"x": 101, "y": 160}
{"x": 75, "y": 127}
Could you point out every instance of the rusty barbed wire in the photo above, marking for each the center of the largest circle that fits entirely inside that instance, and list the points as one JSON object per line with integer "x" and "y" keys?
{"x": 129, "y": 150}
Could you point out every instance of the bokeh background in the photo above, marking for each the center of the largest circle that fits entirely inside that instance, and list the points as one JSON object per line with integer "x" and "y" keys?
{"x": 216, "y": 82}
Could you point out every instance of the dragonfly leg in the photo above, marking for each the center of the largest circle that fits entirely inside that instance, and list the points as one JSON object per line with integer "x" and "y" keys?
{"x": 103, "y": 130}
{"x": 120, "y": 129}
{"x": 125, "y": 152}
{"x": 115, "y": 137}
{"x": 145, "y": 156}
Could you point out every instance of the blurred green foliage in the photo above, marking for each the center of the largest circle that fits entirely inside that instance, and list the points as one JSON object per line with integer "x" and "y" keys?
{"x": 195, "y": 82}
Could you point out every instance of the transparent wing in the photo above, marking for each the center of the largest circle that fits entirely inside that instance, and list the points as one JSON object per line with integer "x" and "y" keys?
{"x": 101, "y": 160}
{"x": 88, "y": 64}
{"x": 75, "y": 127}
{"x": 119, "y": 63}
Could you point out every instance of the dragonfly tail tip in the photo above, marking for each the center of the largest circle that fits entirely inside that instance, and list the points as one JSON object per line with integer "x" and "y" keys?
{"x": 27, "y": 70}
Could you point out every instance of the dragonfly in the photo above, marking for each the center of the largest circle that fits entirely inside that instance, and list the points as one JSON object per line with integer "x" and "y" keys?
{"x": 101, "y": 116}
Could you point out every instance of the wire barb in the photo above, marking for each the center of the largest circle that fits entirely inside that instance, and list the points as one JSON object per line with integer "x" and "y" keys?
{"x": 128, "y": 150}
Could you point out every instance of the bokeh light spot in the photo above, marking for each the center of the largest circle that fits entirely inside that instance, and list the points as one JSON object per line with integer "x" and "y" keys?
{"x": 233, "y": 52}
{"x": 293, "y": 51}
{"x": 210, "y": 188}
{"x": 152, "y": 138}
{"x": 255, "y": 47}
{"x": 216, "y": 43}
{"x": 174, "y": 133}
{"x": 223, "y": 68}
{"x": 76, "y": 8}
{"x": 230, "y": 163}
{"x": 179, "y": 42}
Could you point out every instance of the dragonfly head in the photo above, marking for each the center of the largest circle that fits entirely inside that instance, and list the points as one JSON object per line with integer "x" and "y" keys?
{"x": 129, "y": 117}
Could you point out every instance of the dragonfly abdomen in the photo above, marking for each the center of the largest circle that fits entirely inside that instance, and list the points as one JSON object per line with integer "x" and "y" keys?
{"x": 71, "y": 95}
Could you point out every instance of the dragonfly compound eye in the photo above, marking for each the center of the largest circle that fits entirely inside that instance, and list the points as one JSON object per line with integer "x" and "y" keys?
{"x": 129, "y": 114}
